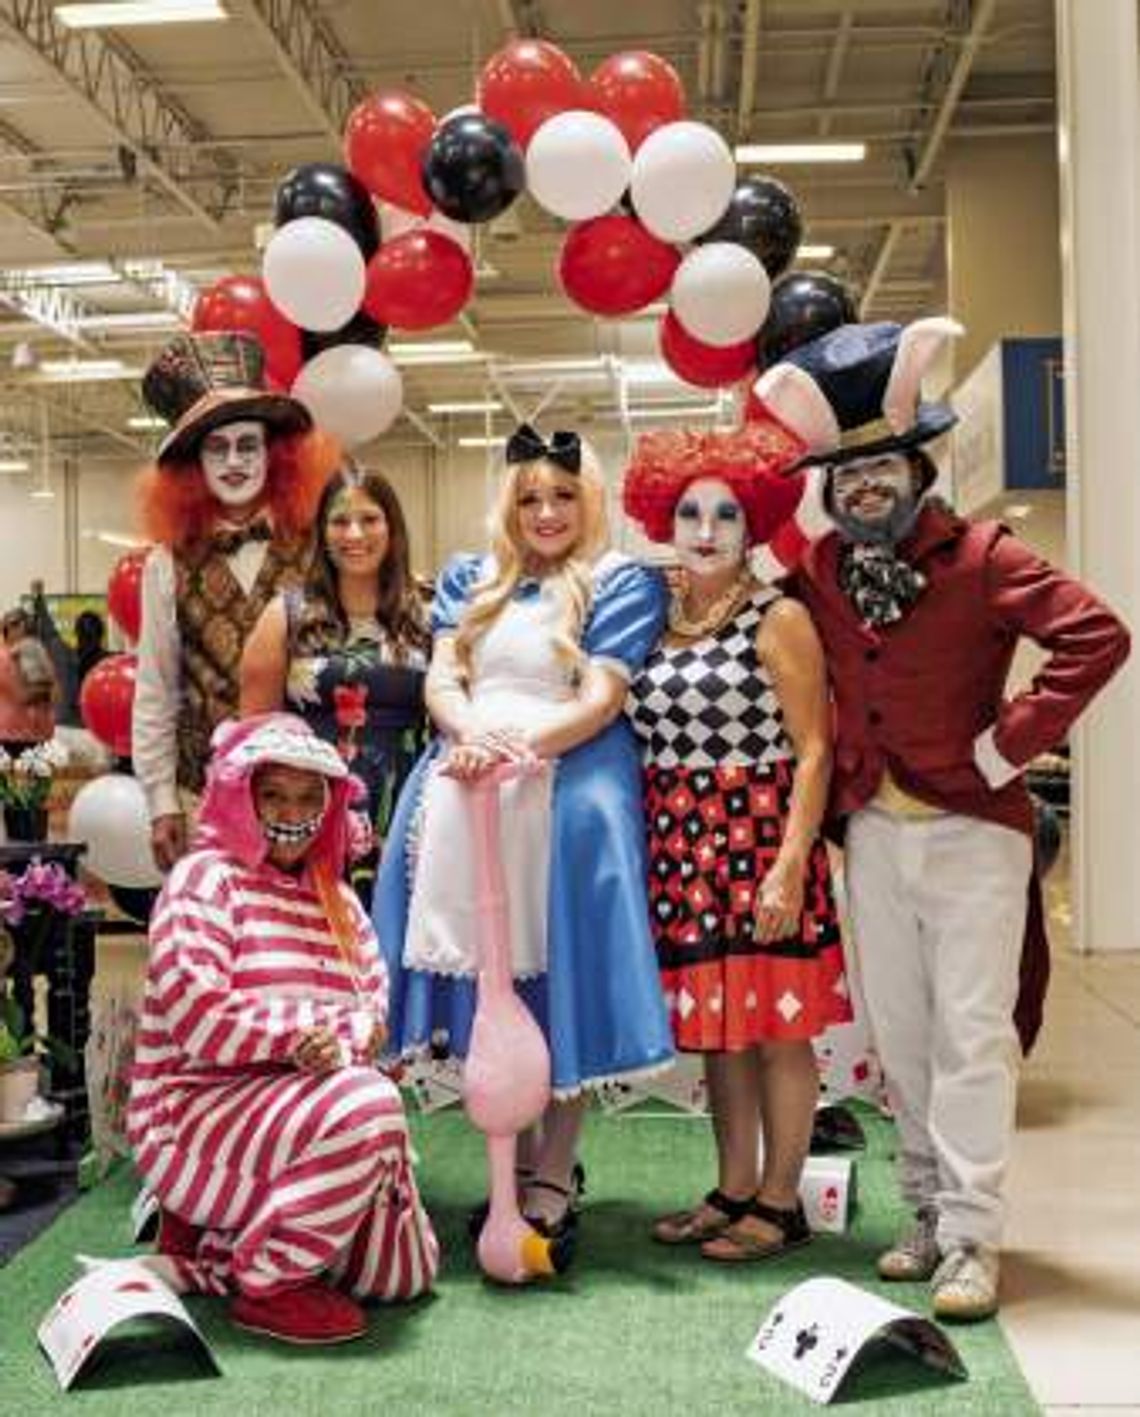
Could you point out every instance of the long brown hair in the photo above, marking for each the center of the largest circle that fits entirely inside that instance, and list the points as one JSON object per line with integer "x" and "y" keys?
{"x": 399, "y": 607}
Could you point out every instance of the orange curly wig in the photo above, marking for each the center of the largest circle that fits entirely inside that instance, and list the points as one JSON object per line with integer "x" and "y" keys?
{"x": 177, "y": 509}
{"x": 754, "y": 460}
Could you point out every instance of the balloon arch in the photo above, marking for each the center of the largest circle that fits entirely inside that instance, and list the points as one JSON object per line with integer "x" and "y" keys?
{"x": 653, "y": 199}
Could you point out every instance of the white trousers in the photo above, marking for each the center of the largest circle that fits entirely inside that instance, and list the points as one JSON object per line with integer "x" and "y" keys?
{"x": 938, "y": 913}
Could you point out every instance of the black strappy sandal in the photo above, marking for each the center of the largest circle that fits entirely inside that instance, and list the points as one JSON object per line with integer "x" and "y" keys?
{"x": 683, "y": 1227}
{"x": 735, "y": 1245}
{"x": 525, "y": 1178}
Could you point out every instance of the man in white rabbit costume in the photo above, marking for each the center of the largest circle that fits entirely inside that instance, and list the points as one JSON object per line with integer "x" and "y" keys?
{"x": 920, "y": 612}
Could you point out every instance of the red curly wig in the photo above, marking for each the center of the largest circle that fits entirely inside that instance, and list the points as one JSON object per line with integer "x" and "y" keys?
{"x": 753, "y": 460}
{"x": 177, "y": 509}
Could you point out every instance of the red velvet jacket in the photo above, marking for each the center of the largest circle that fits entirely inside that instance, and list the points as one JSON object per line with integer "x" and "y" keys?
{"x": 914, "y": 695}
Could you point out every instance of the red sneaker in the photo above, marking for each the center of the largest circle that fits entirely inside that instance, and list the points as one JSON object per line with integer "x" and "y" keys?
{"x": 177, "y": 1237}
{"x": 310, "y": 1314}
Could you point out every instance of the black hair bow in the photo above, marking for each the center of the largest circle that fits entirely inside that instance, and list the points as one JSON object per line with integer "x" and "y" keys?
{"x": 564, "y": 449}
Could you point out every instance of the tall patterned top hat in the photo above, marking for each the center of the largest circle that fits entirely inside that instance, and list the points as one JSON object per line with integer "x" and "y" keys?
{"x": 201, "y": 381}
{"x": 855, "y": 392}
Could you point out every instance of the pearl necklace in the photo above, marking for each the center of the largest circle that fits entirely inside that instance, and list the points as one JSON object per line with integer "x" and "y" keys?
{"x": 715, "y": 616}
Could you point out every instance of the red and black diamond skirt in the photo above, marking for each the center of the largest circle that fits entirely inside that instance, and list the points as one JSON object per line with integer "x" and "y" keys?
{"x": 713, "y": 835}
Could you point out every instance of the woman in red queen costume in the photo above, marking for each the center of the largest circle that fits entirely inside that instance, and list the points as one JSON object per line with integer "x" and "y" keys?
{"x": 279, "y": 1154}
{"x": 731, "y": 710}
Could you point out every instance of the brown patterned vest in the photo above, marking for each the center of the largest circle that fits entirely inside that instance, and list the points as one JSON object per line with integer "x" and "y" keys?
{"x": 215, "y": 617}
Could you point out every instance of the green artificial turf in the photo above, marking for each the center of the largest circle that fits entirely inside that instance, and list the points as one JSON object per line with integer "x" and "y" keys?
{"x": 633, "y": 1328}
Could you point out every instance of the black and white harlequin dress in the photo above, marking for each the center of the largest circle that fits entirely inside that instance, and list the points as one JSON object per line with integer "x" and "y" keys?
{"x": 718, "y": 780}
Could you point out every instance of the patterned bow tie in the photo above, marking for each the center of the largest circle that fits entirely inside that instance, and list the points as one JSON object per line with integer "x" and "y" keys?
{"x": 564, "y": 449}
{"x": 230, "y": 542}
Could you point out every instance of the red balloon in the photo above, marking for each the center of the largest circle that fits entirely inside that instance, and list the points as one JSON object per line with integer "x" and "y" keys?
{"x": 613, "y": 266}
{"x": 124, "y": 592}
{"x": 418, "y": 280}
{"x": 639, "y": 92}
{"x": 105, "y": 702}
{"x": 242, "y": 303}
{"x": 706, "y": 365}
{"x": 384, "y": 143}
{"x": 528, "y": 82}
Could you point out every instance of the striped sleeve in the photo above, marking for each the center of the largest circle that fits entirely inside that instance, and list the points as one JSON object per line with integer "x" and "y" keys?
{"x": 213, "y": 1022}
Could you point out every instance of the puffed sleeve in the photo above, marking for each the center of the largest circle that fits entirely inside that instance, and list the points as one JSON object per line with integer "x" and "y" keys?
{"x": 628, "y": 617}
{"x": 453, "y": 590}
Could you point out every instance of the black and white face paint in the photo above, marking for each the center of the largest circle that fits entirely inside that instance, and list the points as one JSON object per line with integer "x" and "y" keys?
{"x": 235, "y": 462}
{"x": 873, "y": 499}
{"x": 710, "y": 532}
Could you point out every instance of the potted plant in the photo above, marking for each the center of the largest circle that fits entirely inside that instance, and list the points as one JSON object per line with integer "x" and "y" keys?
{"x": 25, "y": 782}
{"x": 20, "y": 1051}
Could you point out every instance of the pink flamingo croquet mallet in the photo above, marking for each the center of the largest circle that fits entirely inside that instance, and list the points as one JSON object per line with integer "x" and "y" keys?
{"x": 506, "y": 1079}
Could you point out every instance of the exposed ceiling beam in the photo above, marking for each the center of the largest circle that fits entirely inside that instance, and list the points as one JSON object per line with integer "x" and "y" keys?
{"x": 979, "y": 22}
{"x": 879, "y": 269}
{"x": 749, "y": 54}
{"x": 311, "y": 57}
{"x": 835, "y": 59}
{"x": 103, "y": 71}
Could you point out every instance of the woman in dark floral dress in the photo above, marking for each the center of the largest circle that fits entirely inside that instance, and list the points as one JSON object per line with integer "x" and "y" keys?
{"x": 349, "y": 652}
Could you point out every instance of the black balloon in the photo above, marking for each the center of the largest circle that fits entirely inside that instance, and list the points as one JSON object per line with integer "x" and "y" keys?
{"x": 473, "y": 170}
{"x": 135, "y": 902}
{"x": 805, "y": 305}
{"x": 361, "y": 329}
{"x": 324, "y": 189}
{"x": 762, "y": 216}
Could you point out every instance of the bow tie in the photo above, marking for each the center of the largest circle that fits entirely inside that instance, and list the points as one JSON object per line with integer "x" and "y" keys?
{"x": 229, "y": 542}
{"x": 564, "y": 449}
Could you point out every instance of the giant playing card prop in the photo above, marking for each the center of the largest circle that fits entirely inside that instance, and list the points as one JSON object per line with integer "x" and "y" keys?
{"x": 83, "y": 1319}
{"x": 820, "y": 1329}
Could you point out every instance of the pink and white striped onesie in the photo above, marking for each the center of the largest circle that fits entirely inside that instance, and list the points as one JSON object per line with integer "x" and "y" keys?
{"x": 291, "y": 1175}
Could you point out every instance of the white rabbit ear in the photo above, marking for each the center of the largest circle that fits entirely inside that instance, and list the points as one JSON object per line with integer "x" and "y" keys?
{"x": 798, "y": 402}
{"x": 919, "y": 346}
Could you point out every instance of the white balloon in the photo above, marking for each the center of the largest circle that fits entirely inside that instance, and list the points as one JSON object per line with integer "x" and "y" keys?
{"x": 353, "y": 392}
{"x": 110, "y": 815}
{"x": 720, "y": 293}
{"x": 682, "y": 180}
{"x": 577, "y": 165}
{"x": 314, "y": 273}
{"x": 394, "y": 221}
{"x": 812, "y": 517}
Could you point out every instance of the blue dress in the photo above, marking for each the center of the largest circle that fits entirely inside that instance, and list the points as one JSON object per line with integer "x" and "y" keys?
{"x": 599, "y": 1002}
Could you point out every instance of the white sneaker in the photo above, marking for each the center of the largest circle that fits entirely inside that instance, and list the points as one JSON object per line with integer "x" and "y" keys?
{"x": 965, "y": 1284}
{"x": 915, "y": 1254}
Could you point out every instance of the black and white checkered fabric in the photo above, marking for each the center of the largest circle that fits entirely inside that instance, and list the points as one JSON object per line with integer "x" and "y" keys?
{"x": 710, "y": 703}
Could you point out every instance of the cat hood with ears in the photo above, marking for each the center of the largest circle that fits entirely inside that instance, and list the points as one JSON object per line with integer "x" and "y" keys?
{"x": 227, "y": 818}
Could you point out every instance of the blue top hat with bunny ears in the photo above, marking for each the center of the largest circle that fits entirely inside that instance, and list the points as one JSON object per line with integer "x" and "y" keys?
{"x": 855, "y": 392}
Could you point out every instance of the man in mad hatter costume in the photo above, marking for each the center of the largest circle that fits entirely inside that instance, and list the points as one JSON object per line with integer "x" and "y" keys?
{"x": 920, "y": 612}
{"x": 228, "y": 502}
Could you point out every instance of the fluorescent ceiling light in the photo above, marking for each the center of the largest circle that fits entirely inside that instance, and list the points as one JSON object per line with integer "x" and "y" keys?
{"x": 68, "y": 273}
{"x": 482, "y": 442}
{"x": 61, "y": 371}
{"x": 132, "y": 320}
{"x": 146, "y": 423}
{"x": 473, "y": 406}
{"x": 1018, "y": 511}
{"x": 525, "y": 368}
{"x": 810, "y": 252}
{"x": 44, "y": 494}
{"x": 801, "y": 152}
{"x": 116, "y": 14}
{"x": 15, "y": 465}
{"x": 417, "y": 348}
{"x": 115, "y": 538}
